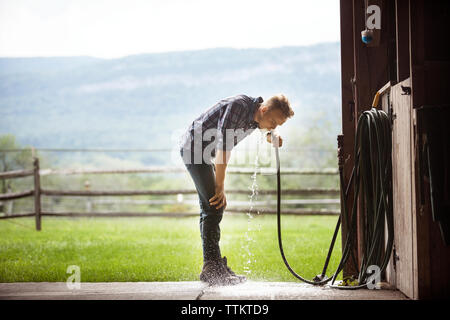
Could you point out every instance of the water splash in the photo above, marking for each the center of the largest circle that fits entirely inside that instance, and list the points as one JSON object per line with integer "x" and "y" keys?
{"x": 248, "y": 255}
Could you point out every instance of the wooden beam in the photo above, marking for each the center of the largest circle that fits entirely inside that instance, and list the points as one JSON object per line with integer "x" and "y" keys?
{"x": 348, "y": 112}
{"x": 37, "y": 193}
{"x": 417, "y": 52}
{"x": 420, "y": 236}
{"x": 186, "y": 214}
{"x": 230, "y": 170}
{"x": 230, "y": 204}
{"x": 299, "y": 212}
{"x": 402, "y": 39}
{"x": 16, "y": 174}
{"x": 98, "y": 193}
{"x": 16, "y": 195}
{"x": 20, "y": 215}
{"x": 119, "y": 214}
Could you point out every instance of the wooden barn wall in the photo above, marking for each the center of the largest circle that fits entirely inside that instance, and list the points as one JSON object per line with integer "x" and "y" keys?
{"x": 413, "y": 45}
{"x": 430, "y": 74}
{"x": 429, "y": 52}
{"x": 348, "y": 112}
{"x": 361, "y": 78}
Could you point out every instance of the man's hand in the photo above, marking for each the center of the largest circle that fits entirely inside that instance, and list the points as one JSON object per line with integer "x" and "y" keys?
{"x": 278, "y": 142}
{"x": 219, "y": 200}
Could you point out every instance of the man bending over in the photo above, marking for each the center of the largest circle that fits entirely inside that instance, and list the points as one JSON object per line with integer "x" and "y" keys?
{"x": 206, "y": 148}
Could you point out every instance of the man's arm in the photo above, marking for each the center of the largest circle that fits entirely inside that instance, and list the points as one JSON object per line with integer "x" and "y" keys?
{"x": 219, "y": 200}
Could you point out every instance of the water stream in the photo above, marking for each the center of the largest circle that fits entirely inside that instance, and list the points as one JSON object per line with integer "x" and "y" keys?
{"x": 248, "y": 255}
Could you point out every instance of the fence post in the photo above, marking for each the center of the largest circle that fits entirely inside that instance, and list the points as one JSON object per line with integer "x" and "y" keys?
{"x": 37, "y": 193}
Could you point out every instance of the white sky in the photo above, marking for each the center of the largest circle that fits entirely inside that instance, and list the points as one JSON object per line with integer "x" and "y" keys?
{"x": 115, "y": 28}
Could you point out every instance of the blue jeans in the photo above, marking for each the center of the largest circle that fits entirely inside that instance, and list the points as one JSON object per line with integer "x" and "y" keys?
{"x": 204, "y": 178}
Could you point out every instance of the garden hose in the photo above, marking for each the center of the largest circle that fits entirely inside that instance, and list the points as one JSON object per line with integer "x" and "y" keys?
{"x": 372, "y": 174}
{"x": 280, "y": 243}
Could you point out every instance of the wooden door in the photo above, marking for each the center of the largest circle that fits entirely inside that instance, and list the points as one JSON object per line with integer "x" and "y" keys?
{"x": 400, "y": 271}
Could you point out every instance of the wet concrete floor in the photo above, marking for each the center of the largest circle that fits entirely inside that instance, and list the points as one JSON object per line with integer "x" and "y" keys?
{"x": 187, "y": 290}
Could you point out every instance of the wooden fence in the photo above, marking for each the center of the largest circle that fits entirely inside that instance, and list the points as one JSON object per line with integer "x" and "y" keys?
{"x": 37, "y": 192}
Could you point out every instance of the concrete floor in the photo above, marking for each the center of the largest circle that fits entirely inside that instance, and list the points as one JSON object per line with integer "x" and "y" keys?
{"x": 188, "y": 290}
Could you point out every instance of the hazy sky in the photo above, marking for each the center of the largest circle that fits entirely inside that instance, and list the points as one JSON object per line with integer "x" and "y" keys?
{"x": 114, "y": 28}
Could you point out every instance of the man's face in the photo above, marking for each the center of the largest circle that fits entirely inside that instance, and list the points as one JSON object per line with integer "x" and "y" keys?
{"x": 271, "y": 119}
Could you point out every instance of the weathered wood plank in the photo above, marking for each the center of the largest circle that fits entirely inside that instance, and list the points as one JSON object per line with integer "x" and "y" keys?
{"x": 311, "y": 191}
{"x": 16, "y": 174}
{"x": 402, "y": 188}
{"x": 37, "y": 193}
{"x": 16, "y": 195}
{"x": 118, "y": 214}
{"x": 230, "y": 170}
{"x": 187, "y": 214}
{"x": 19, "y": 215}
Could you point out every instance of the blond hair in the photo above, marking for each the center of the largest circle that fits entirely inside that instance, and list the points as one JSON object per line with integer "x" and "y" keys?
{"x": 281, "y": 103}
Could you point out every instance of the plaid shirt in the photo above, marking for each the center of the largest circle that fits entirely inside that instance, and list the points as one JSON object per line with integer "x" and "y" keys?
{"x": 229, "y": 121}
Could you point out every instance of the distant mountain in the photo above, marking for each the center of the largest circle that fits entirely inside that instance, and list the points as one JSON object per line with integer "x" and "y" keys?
{"x": 141, "y": 101}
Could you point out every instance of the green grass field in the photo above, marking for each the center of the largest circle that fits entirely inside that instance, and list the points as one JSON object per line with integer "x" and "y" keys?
{"x": 161, "y": 249}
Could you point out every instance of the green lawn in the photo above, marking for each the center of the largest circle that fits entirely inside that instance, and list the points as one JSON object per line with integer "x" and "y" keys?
{"x": 160, "y": 249}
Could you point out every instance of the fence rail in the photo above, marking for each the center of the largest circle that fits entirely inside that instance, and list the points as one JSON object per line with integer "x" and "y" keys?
{"x": 16, "y": 195}
{"x": 16, "y": 174}
{"x": 232, "y": 170}
{"x": 97, "y": 193}
{"x": 37, "y": 192}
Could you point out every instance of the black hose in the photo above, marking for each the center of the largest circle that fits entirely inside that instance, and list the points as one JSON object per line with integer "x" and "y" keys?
{"x": 280, "y": 243}
{"x": 372, "y": 172}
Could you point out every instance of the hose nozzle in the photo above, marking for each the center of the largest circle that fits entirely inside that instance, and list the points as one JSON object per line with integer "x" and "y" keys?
{"x": 274, "y": 139}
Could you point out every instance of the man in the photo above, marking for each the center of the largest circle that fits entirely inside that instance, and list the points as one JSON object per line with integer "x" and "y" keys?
{"x": 206, "y": 149}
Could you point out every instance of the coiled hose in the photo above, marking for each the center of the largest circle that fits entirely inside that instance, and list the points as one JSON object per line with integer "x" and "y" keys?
{"x": 372, "y": 174}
